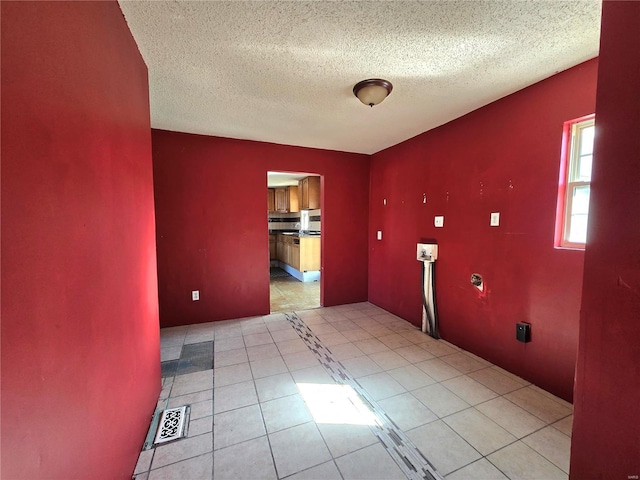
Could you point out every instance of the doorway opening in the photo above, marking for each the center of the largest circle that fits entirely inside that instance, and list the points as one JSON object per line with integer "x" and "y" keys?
{"x": 295, "y": 240}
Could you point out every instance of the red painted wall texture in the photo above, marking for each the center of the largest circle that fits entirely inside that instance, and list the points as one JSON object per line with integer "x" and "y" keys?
{"x": 80, "y": 339}
{"x": 503, "y": 158}
{"x": 606, "y": 435}
{"x": 212, "y": 228}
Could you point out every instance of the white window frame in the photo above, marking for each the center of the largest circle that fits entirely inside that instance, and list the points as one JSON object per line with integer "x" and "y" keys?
{"x": 570, "y": 164}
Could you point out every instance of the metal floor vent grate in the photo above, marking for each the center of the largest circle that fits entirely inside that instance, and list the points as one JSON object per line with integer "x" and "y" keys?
{"x": 172, "y": 425}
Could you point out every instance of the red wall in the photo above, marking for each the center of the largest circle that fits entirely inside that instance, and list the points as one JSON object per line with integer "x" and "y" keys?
{"x": 212, "y": 228}
{"x": 503, "y": 158}
{"x": 606, "y": 439}
{"x": 80, "y": 340}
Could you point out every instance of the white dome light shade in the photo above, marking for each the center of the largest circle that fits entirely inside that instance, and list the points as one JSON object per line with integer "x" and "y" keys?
{"x": 373, "y": 91}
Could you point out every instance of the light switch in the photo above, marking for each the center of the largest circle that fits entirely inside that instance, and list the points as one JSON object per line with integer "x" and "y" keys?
{"x": 438, "y": 221}
{"x": 195, "y": 295}
{"x": 495, "y": 219}
{"x": 379, "y": 234}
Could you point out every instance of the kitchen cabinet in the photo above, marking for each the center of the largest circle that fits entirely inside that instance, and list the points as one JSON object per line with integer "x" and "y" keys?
{"x": 271, "y": 200}
{"x": 301, "y": 253}
{"x": 286, "y": 199}
{"x": 281, "y": 200}
{"x": 309, "y": 192}
{"x": 292, "y": 195}
{"x": 272, "y": 247}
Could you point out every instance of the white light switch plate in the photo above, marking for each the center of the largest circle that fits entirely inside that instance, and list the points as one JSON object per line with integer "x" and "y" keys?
{"x": 379, "y": 236}
{"x": 495, "y": 219}
{"x": 438, "y": 221}
{"x": 195, "y": 295}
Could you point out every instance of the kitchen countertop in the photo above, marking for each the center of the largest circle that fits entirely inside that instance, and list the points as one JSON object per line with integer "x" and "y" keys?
{"x": 295, "y": 234}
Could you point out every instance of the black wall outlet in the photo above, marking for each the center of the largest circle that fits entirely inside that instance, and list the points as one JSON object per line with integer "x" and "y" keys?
{"x": 523, "y": 332}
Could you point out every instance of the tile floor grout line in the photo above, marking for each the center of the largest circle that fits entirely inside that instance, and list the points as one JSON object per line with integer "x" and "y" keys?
{"x": 385, "y": 430}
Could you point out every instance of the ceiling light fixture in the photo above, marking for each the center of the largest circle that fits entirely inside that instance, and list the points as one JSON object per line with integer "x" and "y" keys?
{"x": 373, "y": 91}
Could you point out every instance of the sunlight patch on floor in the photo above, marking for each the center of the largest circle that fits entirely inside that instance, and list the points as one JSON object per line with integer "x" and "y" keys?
{"x": 337, "y": 404}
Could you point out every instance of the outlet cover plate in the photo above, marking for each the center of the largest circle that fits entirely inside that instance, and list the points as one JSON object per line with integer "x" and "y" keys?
{"x": 195, "y": 295}
{"x": 495, "y": 219}
{"x": 438, "y": 221}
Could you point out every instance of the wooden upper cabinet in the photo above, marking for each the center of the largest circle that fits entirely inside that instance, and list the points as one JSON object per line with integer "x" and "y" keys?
{"x": 281, "y": 200}
{"x": 271, "y": 200}
{"x": 309, "y": 189}
{"x": 292, "y": 194}
{"x": 286, "y": 199}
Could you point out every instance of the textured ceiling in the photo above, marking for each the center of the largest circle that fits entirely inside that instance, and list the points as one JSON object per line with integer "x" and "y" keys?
{"x": 283, "y": 72}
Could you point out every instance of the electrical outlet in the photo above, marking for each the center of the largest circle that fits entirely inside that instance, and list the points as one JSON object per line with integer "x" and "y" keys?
{"x": 195, "y": 295}
{"x": 495, "y": 219}
{"x": 438, "y": 221}
{"x": 379, "y": 236}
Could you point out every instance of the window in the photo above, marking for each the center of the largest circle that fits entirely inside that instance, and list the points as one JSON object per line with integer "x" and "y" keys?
{"x": 575, "y": 182}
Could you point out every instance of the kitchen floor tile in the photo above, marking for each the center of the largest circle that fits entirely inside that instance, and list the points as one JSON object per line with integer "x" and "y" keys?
{"x": 544, "y": 408}
{"x": 519, "y": 461}
{"x": 361, "y": 366}
{"x": 192, "y": 382}
{"x": 357, "y": 334}
{"x": 201, "y": 409}
{"x": 300, "y": 360}
{"x": 414, "y": 353}
{"x": 344, "y": 438}
{"x": 438, "y": 348}
{"x": 439, "y": 400}
{"x": 443, "y": 447}
{"x": 251, "y": 460}
{"x": 275, "y": 386}
{"x": 495, "y": 380}
{"x": 411, "y": 377}
{"x": 565, "y": 425}
{"x": 285, "y": 412}
{"x": 345, "y": 351}
{"x": 479, "y": 431}
{"x": 469, "y": 390}
{"x": 237, "y": 426}
{"x": 267, "y": 367}
{"x": 292, "y": 346}
{"x": 371, "y": 345}
{"x": 257, "y": 339}
{"x": 438, "y": 370}
{"x": 298, "y": 448}
{"x": 282, "y": 335}
{"x": 230, "y": 343}
{"x": 395, "y": 340}
{"x": 190, "y": 398}
{"x": 372, "y": 463}
{"x": 509, "y": 416}
{"x": 260, "y": 352}
{"x": 553, "y": 445}
{"x": 200, "y": 426}
{"x": 325, "y": 471}
{"x": 234, "y": 396}
{"x": 482, "y": 469}
{"x": 406, "y": 411}
{"x": 381, "y": 385}
{"x": 230, "y": 357}
{"x": 312, "y": 375}
{"x": 388, "y": 360}
{"x": 182, "y": 450}
{"x": 197, "y": 468}
{"x": 462, "y": 362}
{"x": 231, "y": 374}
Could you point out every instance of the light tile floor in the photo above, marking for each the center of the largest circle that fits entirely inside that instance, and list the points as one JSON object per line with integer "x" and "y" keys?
{"x": 288, "y": 294}
{"x": 250, "y": 420}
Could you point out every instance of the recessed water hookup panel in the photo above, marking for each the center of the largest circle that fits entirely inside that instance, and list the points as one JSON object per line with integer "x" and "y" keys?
{"x": 427, "y": 252}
